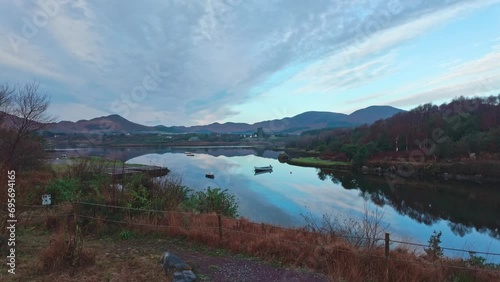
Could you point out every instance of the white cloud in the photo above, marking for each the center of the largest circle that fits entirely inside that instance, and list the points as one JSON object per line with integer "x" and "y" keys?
{"x": 475, "y": 87}
{"x": 75, "y": 32}
{"x": 470, "y": 78}
{"x": 353, "y": 65}
{"x": 215, "y": 51}
{"x": 335, "y": 75}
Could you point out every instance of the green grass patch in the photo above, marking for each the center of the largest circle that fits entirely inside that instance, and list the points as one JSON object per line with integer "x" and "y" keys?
{"x": 109, "y": 162}
{"x": 95, "y": 160}
{"x": 316, "y": 162}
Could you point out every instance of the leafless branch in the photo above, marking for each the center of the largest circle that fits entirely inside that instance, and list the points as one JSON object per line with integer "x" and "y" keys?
{"x": 26, "y": 109}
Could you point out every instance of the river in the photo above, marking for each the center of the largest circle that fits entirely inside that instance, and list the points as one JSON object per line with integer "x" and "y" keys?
{"x": 468, "y": 215}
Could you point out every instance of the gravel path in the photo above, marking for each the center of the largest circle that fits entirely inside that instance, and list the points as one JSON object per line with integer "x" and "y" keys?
{"x": 231, "y": 268}
{"x": 225, "y": 267}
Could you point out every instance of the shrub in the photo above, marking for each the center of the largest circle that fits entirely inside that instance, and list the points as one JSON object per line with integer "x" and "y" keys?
{"x": 168, "y": 193}
{"x": 434, "y": 250}
{"x": 363, "y": 232}
{"x": 65, "y": 251}
{"x": 214, "y": 200}
{"x": 126, "y": 234}
{"x": 63, "y": 189}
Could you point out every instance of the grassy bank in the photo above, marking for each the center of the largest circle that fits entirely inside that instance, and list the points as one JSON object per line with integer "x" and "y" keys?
{"x": 486, "y": 171}
{"x": 62, "y": 165}
{"x": 316, "y": 162}
{"x": 336, "y": 253}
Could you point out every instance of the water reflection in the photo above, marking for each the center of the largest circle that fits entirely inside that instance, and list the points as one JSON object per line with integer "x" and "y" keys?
{"x": 127, "y": 153}
{"x": 465, "y": 208}
{"x": 466, "y": 215}
{"x": 259, "y": 172}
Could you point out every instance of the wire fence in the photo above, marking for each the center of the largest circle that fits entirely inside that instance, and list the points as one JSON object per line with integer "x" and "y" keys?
{"x": 216, "y": 225}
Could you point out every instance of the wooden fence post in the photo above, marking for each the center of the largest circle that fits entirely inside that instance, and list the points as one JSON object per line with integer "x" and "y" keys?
{"x": 75, "y": 211}
{"x": 219, "y": 218}
{"x": 387, "y": 240}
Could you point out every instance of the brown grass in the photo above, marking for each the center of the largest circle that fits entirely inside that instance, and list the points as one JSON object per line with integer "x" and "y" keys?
{"x": 301, "y": 248}
{"x": 112, "y": 261}
{"x": 65, "y": 250}
{"x": 62, "y": 255}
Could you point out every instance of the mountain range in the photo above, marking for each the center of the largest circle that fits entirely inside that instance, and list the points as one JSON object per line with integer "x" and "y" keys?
{"x": 292, "y": 125}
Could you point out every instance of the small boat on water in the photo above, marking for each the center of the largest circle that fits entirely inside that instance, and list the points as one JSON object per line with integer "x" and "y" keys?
{"x": 189, "y": 154}
{"x": 210, "y": 175}
{"x": 263, "y": 168}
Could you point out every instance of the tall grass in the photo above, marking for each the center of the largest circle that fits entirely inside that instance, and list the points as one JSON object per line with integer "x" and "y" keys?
{"x": 365, "y": 232}
{"x": 324, "y": 250}
{"x": 66, "y": 250}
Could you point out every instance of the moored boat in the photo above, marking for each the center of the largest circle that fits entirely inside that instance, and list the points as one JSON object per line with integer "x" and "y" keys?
{"x": 209, "y": 175}
{"x": 263, "y": 168}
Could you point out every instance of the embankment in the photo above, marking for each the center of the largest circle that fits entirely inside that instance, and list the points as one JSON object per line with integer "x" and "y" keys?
{"x": 469, "y": 171}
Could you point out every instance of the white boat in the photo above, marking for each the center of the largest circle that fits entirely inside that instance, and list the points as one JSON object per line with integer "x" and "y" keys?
{"x": 263, "y": 168}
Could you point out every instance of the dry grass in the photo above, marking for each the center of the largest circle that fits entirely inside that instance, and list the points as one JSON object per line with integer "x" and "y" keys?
{"x": 303, "y": 249}
{"x": 65, "y": 251}
{"x": 298, "y": 248}
{"x": 50, "y": 248}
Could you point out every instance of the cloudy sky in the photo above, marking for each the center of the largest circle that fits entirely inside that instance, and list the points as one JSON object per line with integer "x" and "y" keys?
{"x": 182, "y": 62}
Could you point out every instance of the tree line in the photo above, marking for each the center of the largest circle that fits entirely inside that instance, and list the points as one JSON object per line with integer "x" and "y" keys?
{"x": 462, "y": 128}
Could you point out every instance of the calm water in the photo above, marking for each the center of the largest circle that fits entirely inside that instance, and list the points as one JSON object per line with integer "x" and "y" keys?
{"x": 468, "y": 216}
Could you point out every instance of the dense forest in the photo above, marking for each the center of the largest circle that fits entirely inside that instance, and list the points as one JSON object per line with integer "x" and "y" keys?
{"x": 465, "y": 128}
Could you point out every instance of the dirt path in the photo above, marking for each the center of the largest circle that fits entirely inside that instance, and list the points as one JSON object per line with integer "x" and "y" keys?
{"x": 212, "y": 265}
{"x": 138, "y": 260}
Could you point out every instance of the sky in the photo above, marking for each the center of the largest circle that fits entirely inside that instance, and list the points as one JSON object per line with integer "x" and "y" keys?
{"x": 180, "y": 62}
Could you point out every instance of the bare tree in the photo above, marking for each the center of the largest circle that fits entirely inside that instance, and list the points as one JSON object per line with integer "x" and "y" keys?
{"x": 5, "y": 96}
{"x": 27, "y": 109}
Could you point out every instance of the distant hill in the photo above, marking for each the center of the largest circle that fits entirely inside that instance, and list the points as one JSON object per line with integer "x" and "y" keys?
{"x": 293, "y": 125}
{"x": 8, "y": 120}
{"x": 372, "y": 114}
{"x": 112, "y": 123}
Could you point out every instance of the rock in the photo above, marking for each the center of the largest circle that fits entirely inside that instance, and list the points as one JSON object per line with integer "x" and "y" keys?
{"x": 185, "y": 276}
{"x": 189, "y": 275}
{"x": 181, "y": 271}
{"x": 364, "y": 169}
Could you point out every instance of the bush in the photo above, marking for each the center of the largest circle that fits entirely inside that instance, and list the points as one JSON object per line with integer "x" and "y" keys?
{"x": 66, "y": 251}
{"x": 168, "y": 193}
{"x": 434, "y": 250}
{"x": 64, "y": 189}
{"x": 126, "y": 234}
{"x": 213, "y": 200}
{"x": 360, "y": 232}
{"x": 475, "y": 260}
